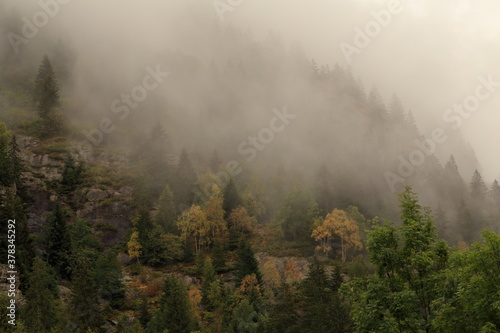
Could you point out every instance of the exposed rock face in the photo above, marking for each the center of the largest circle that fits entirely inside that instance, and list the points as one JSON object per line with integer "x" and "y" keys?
{"x": 106, "y": 208}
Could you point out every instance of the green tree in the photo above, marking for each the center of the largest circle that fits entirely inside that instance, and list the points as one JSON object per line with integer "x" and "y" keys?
{"x": 207, "y": 277}
{"x": 469, "y": 299}
{"x": 232, "y": 198}
{"x": 323, "y": 308}
{"x": 86, "y": 312}
{"x": 298, "y": 213}
{"x": 58, "y": 241}
{"x": 6, "y": 168}
{"x": 166, "y": 217}
{"x": 47, "y": 98}
{"x": 42, "y": 310}
{"x": 411, "y": 262}
{"x": 71, "y": 175}
{"x": 185, "y": 181}
{"x": 246, "y": 264}
{"x": 175, "y": 312}
{"x": 109, "y": 277}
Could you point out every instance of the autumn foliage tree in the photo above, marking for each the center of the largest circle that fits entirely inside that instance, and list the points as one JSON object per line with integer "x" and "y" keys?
{"x": 337, "y": 224}
{"x": 194, "y": 227}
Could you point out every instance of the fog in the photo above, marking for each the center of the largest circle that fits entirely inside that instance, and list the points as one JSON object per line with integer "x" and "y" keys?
{"x": 431, "y": 54}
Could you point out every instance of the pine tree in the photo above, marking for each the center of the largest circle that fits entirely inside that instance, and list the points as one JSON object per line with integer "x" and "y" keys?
{"x": 323, "y": 307}
{"x": 478, "y": 188}
{"x": 6, "y": 168}
{"x": 232, "y": 199}
{"x": 12, "y": 207}
{"x": 109, "y": 277}
{"x": 47, "y": 98}
{"x": 149, "y": 236}
{"x": 207, "y": 277}
{"x": 71, "y": 175}
{"x": 185, "y": 181}
{"x": 58, "y": 245}
{"x": 41, "y": 313}
{"x": 86, "y": 312}
{"x": 246, "y": 264}
{"x": 324, "y": 194}
{"x": 166, "y": 217}
{"x": 215, "y": 162}
{"x": 175, "y": 312}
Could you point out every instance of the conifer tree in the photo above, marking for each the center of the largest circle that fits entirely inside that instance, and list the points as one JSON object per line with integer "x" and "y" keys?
{"x": 232, "y": 199}
{"x": 71, "y": 175}
{"x": 175, "y": 312}
{"x": 166, "y": 217}
{"x": 246, "y": 264}
{"x": 109, "y": 277}
{"x": 207, "y": 277}
{"x": 184, "y": 182}
{"x": 323, "y": 307}
{"x": 58, "y": 245}
{"x": 86, "y": 312}
{"x": 47, "y": 98}
{"x": 41, "y": 313}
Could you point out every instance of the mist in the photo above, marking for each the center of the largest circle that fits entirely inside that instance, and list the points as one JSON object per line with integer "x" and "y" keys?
{"x": 216, "y": 56}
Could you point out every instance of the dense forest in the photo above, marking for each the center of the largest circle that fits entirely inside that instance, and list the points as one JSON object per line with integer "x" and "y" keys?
{"x": 245, "y": 188}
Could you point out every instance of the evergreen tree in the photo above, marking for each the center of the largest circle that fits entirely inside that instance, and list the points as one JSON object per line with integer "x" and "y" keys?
{"x": 478, "y": 188}
{"x": 41, "y": 312}
{"x": 144, "y": 315}
{"x": 71, "y": 175}
{"x": 12, "y": 207}
{"x": 47, "y": 98}
{"x": 109, "y": 277}
{"x": 6, "y": 168}
{"x": 149, "y": 237}
{"x": 58, "y": 245}
{"x": 207, "y": 277}
{"x": 86, "y": 312}
{"x": 324, "y": 194}
{"x": 215, "y": 162}
{"x": 166, "y": 217}
{"x": 185, "y": 181}
{"x": 323, "y": 308}
{"x": 246, "y": 264}
{"x": 298, "y": 213}
{"x": 232, "y": 199}
{"x": 175, "y": 313}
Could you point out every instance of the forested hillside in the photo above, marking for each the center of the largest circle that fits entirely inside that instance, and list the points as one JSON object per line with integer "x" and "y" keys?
{"x": 242, "y": 188}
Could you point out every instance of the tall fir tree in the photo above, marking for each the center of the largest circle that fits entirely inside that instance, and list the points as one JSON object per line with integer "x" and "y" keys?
{"x": 184, "y": 182}
{"x": 166, "y": 217}
{"x": 232, "y": 198}
{"x": 58, "y": 241}
{"x": 42, "y": 310}
{"x": 47, "y": 98}
{"x": 323, "y": 308}
{"x": 246, "y": 263}
{"x": 175, "y": 313}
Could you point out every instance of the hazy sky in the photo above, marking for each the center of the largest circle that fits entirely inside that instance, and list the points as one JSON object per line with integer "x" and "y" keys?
{"x": 431, "y": 53}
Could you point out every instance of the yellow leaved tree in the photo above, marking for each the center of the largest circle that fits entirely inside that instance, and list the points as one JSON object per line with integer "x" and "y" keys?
{"x": 194, "y": 226}
{"x": 337, "y": 224}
